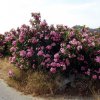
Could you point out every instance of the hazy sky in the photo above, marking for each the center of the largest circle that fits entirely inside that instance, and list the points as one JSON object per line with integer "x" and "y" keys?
{"x": 14, "y": 13}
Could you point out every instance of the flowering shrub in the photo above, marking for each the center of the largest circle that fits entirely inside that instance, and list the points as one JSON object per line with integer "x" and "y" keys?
{"x": 2, "y": 45}
{"x": 55, "y": 49}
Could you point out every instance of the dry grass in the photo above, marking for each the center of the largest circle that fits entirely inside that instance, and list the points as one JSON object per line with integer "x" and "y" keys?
{"x": 95, "y": 90}
{"x": 35, "y": 83}
{"x": 4, "y": 68}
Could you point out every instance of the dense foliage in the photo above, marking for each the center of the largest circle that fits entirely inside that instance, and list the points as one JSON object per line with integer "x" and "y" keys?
{"x": 3, "y": 51}
{"x": 52, "y": 49}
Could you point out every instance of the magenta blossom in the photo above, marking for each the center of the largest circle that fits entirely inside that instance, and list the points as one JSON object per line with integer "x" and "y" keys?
{"x": 53, "y": 33}
{"x": 49, "y": 47}
{"x": 62, "y": 50}
{"x": 46, "y": 37}
{"x": 87, "y": 72}
{"x": 33, "y": 66}
{"x": 21, "y": 66}
{"x": 64, "y": 67}
{"x": 62, "y": 44}
{"x": 14, "y": 43}
{"x": 44, "y": 23}
{"x": 74, "y": 42}
{"x": 53, "y": 70}
{"x": 10, "y": 73}
{"x": 43, "y": 63}
{"x": 47, "y": 56}
{"x": 47, "y": 60}
{"x": 79, "y": 47}
{"x": 34, "y": 41}
{"x": 67, "y": 62}
{"x": 41, "y": 36}
{"x": 81, "y": 58}
{"x": 68, "y": 46}
{"x": 29, "y": 54}
{"x": 97, "y": 59}
{"x": 12, "y": 59}
{"x": 53, "y": 64}
{"x": 30, "y": 50}
{"x": 53, "y": 44}
{"x": 23, "y": 53}
{"x": 94, "y": 76}
{"x": 21, "y": 40}
{"x": 55, "y": 60}
{"x": 56, "y": 56}
{"x": 99, "y": 77}
{"x": 71, "y": 34}
{"x": 12, "y": 49}
{"x": 40, "y": 53}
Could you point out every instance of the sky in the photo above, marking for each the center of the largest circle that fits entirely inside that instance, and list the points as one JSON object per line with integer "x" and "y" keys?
{"x": 14, "y": 13}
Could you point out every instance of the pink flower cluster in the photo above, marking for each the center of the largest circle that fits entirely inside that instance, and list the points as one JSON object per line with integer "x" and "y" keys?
{"x": 11, "y": 74}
